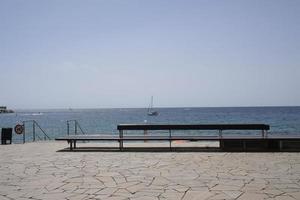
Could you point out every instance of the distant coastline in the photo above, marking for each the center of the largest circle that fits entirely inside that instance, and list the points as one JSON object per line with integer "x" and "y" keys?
{"x": 159, "y": 107}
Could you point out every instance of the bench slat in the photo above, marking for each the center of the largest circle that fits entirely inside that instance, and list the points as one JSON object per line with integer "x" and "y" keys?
{"x": 193, "y": 127}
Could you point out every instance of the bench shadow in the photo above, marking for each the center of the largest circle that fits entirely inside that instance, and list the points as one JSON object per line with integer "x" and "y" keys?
{"x": 142, "y": 149}
{"x": 167, "y": 150}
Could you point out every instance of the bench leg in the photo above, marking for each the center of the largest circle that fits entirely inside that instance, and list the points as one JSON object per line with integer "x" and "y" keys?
{"x": 280, "y": 145}
{"x": 121, "y": 145}
{"x": 244, "y": 145}
{"x": 71, "y": 145}
{"x": 221, "y": 144}
{"x": 121, "y": 139}
{"x": 170, "y": 141}
{"x": 74, "y": 144}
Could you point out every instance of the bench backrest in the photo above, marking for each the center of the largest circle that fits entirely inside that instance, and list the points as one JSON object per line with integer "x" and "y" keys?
{"x": 193, "y": 127}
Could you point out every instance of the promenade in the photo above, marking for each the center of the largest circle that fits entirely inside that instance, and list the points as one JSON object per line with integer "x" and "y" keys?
{"x": 40, "y": 171}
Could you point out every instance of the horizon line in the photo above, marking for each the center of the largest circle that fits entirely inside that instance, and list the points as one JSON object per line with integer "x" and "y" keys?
{"x": 158, "y": 107}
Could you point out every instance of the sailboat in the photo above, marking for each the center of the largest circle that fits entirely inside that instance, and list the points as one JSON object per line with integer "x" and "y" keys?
{"x": 151, "y": 112}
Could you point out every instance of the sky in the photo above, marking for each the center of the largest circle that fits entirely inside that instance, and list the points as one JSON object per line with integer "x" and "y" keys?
{"x": 119, "y": 53}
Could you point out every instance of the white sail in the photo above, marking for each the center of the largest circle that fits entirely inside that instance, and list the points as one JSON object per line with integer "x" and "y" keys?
{"x": 152, "y": 112}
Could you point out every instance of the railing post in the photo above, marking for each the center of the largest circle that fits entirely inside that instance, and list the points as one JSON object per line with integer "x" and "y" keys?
{"x": 34, "y": 135}
{"x": 33, "y": 130}
{"x": 80, "y": 128}
{"x": 75, "y": 127}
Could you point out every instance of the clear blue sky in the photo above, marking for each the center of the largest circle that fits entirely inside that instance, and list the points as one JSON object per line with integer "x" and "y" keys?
{"x": 96, "y": 53}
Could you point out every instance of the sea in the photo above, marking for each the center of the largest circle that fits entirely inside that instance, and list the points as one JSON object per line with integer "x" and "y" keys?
{"x": 282, "y": 120}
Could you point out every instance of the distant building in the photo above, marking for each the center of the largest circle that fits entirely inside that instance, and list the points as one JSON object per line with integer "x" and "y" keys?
{"x": 3, "y": 109}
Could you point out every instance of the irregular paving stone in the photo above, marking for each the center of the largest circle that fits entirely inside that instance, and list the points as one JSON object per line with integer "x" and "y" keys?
{"x": 39, "y": 171}
{"x": 295, "y": 195}
{"x": 225, "y": 187}
{"x": 220, "y": 196}
{"x": 252, "y": 196}
{"x": 233, "y": 194}
{"x": 145, "y": 198}
{"x": 197, "y": 195}
{"x": 284, "y": 197}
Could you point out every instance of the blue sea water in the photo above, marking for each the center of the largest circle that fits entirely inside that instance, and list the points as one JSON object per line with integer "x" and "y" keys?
{"x": 283, "y": 120}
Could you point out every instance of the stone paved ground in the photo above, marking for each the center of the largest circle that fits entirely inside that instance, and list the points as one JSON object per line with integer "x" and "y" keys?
{"x": 38, "y": 171}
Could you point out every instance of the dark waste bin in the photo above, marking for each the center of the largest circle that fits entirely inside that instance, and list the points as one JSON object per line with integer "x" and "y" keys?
{"x": 6, "y": 134}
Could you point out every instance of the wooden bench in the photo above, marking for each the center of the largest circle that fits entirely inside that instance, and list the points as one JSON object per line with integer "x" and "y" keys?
{"x": 171, "y": 127}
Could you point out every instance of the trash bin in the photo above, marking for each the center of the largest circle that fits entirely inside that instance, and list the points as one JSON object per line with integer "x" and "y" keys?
{"x": 6, "y": 134}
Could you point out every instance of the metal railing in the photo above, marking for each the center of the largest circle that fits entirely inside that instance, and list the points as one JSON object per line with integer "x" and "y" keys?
{"x": 34, "y": 135}
{"x": 76, "y": 126}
